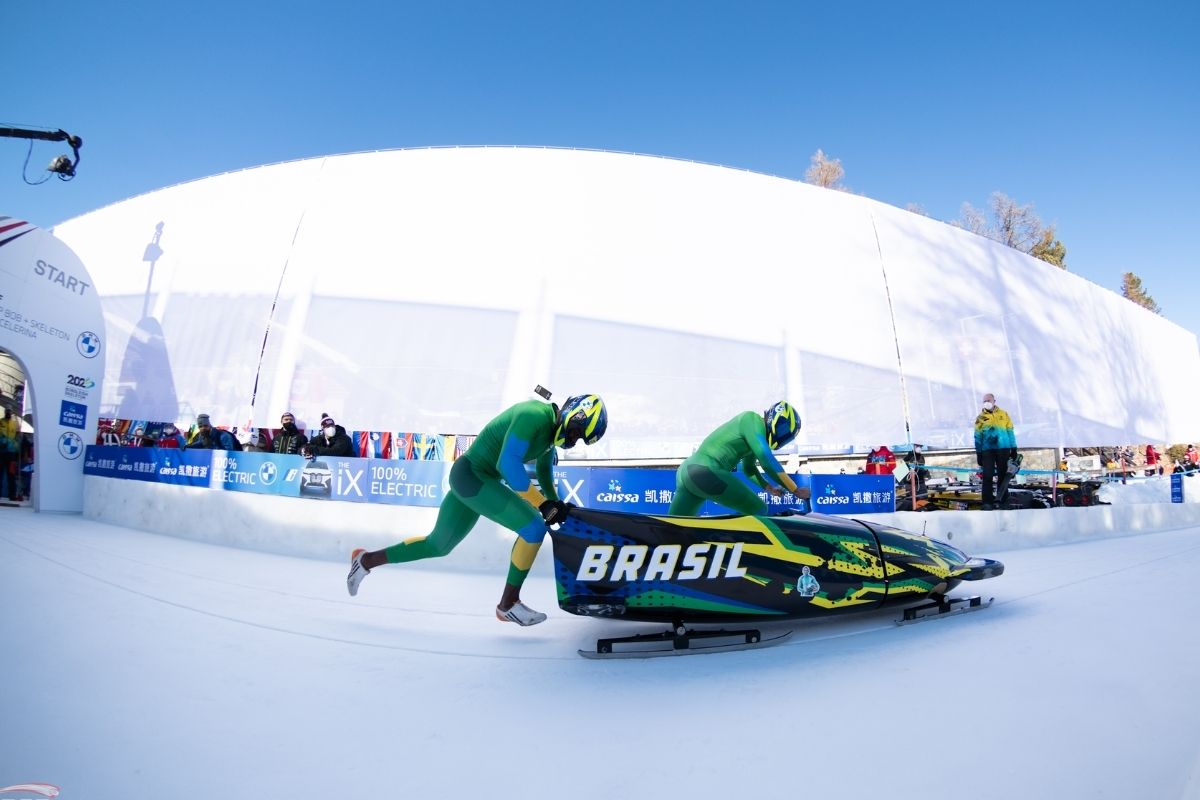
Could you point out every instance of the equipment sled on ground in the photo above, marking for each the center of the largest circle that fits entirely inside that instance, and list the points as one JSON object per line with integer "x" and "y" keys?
{"x": 726, "y": 569}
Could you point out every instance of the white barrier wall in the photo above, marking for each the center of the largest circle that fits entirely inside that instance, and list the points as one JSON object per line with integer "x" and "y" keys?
{"x": 330, "y": 530}
{"x": 425, "y": 290}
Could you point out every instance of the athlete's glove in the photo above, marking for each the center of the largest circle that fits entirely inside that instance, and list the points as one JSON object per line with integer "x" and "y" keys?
{"x": 802, "y": 508}
{"x": 555, "y": 511}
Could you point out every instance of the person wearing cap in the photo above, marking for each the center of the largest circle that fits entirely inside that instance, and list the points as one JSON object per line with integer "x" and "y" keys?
{"x": 489, "y": 480}
{"x": 171, "y": 437}
{"x": 207, "y": 437}
{"x": 291, "y": 439}
{"x": 331, "y": 440}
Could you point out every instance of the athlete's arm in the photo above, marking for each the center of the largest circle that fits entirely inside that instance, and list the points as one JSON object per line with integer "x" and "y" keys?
{"x": 755, "y": 432}
{"x": 750, "y": 470}
{"x": 545, "y": 474}
{"x": 511, "y": 464}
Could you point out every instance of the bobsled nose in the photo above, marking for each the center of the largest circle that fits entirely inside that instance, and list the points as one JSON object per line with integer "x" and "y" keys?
{"x": 980, "y": 568}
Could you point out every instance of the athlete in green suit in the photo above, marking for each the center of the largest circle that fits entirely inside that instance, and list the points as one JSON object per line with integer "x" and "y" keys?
{"x": 526, "y": 432}
{"x": 748, "y": 438}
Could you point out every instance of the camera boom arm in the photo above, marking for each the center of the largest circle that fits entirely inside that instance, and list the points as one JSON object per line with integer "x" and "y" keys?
{"x": 62, "y": 165}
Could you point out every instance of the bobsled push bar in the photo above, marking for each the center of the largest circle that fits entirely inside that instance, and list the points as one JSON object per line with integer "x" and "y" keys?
{"x": 946, "y": 606}
{"x": 681, "y": 641}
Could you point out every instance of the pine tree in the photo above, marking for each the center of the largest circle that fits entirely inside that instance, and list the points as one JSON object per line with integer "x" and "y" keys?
{"x": 1015, "y": 225}
{"x": 1132, "y": 289}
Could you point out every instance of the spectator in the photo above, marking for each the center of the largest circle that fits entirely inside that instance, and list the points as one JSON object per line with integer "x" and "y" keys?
{"x": 1153, "y": 461}
{"x": 10, "y": 447}
{"x": 26, "y": 460}
{"x": 995, "y": 444}
{"x": 881, "y": 461}
{"x": 915, "y": 460}
{"x": 140, "y": 439}
{"x": 209, "y": 438}
{"x": 331, "y": 440}
{"x": 171, "y": 437}
{"x": 1192, "y": 457}
{"x": 291, "y": 440}
{"x": 108, "y": 437}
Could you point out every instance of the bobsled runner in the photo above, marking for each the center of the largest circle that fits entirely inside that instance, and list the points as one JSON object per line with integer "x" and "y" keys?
{"x": 738, "y": 569}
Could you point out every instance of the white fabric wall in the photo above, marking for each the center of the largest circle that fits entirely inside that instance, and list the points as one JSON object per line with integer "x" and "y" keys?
{"x": 424, "y": 290}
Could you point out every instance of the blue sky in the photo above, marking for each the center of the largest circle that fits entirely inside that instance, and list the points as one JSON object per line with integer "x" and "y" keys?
{"x": 1090, "y": 111}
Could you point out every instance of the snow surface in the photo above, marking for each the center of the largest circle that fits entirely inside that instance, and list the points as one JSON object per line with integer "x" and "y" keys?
{"x": 140, "y": 665}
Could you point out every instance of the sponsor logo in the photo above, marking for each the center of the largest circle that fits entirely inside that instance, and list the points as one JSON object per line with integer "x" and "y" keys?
{"x": 78, "y": 387}
{"x": 70, "y": 445}
{"x": 832, "y": 498}
{"x": 72, "y": 415}
{"x": 291, "y": 475}
{"x": 58, "y": 276}
{"x": 267, "y": 473}
{"x": 88, "y": 344}
{"x": 615, "y": 495}
{"x": 633, "y": 562}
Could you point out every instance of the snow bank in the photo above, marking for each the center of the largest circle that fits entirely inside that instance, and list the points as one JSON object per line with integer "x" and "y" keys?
{"x": 1150, "y": 490}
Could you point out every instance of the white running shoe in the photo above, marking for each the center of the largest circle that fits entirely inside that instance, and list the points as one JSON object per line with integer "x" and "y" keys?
{"x": 357, "y": 571}
{"x": 521, "y": 614}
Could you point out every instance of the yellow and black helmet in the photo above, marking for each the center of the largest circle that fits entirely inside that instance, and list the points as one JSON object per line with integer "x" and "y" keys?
{"x": 783, "y": 423}
{"x": 582, "y": 417}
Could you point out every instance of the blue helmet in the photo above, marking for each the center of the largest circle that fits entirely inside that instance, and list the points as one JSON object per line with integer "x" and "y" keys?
{"x": 582, "y": 417}
{"x": 783, "y": 423}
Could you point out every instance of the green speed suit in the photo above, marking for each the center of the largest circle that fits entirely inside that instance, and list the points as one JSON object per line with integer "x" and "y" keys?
{"x": 520, "y": 434}
{"x": 708, "y": 473}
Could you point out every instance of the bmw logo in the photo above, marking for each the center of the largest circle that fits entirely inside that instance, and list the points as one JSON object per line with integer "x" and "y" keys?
{"x": 267, "y": 473}
{"x": 70, "y": 445}
{"x": 88, "y": 344}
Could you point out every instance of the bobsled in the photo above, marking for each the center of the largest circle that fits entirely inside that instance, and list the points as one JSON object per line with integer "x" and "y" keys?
{"x": 735, "y": 568}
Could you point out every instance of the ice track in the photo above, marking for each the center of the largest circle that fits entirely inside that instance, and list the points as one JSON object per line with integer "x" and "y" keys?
{"x": 140, "y": 665}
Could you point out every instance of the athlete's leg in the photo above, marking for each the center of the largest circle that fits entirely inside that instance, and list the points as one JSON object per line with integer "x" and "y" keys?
{"x": 685, "y": 502}
{"x": 724, "y": 488}
{"x": 502, "y": 505}
{"x": 454, "y": 521}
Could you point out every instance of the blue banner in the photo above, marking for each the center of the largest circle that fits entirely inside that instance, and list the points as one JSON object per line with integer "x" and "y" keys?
{"x": 181, "y": 467}
{"x": 261, "y": 473}
{"x": 1177, "y": 487}
{"x": 423, "y": 483}
{"x": 378, "y": 480}
{"x": 853, "y": 494}
{"x": 650, "y": 491}
{"x": 184, "y": 468}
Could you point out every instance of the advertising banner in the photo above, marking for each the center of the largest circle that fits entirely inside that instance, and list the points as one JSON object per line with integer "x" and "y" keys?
{"x": 853, "y": 494}
{"x": 262, "y": 473}
{"x": 182, "y": 468}
{"x": 377, "y": 480}
{"x": 424, "y": 483}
